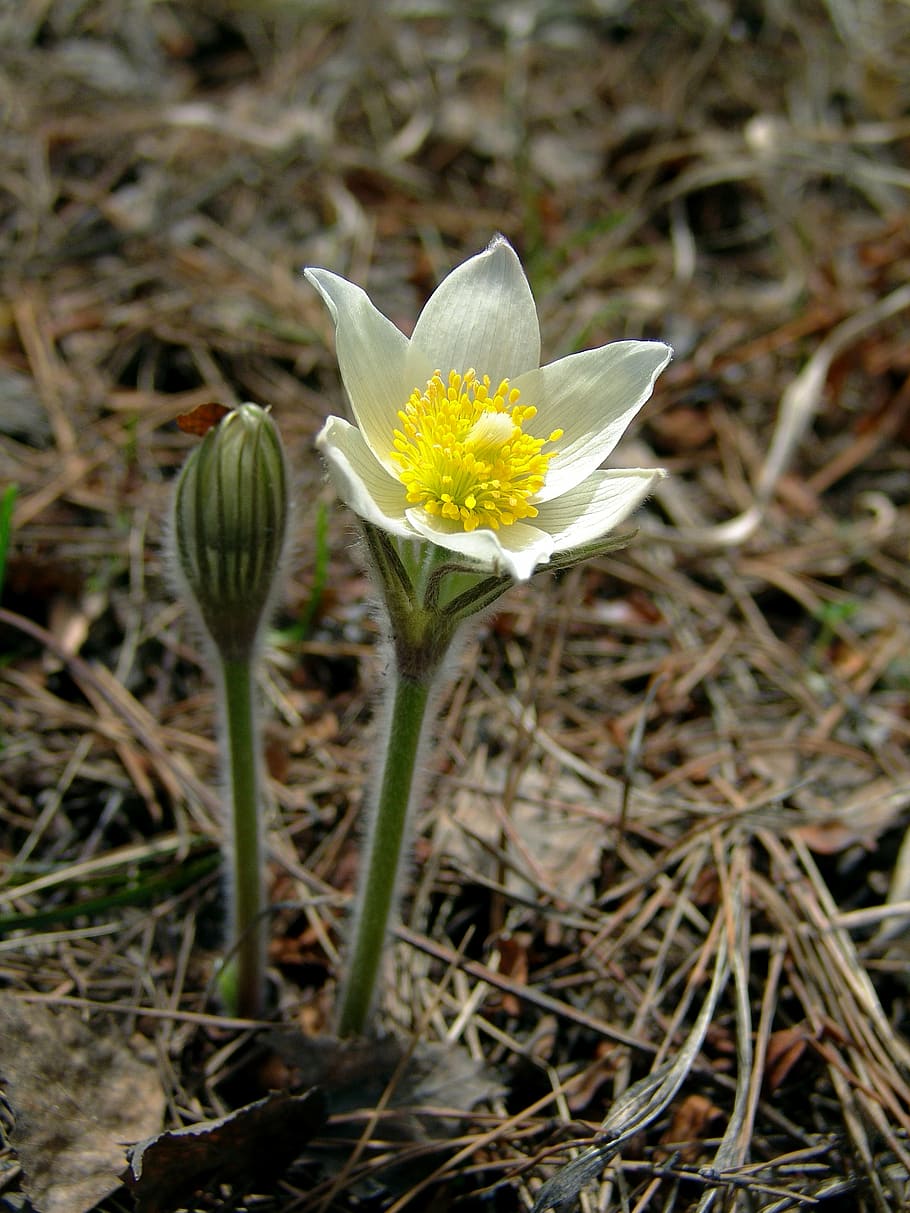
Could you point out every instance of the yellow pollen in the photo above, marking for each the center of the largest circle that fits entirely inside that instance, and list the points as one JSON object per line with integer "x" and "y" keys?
{"x": 463, "y": 453}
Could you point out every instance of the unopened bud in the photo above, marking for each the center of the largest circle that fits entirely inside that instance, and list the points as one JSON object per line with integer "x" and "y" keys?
{"x": 230, "y": 522}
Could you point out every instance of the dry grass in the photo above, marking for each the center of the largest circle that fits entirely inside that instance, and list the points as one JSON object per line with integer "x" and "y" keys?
{"x": 672, "y": 787}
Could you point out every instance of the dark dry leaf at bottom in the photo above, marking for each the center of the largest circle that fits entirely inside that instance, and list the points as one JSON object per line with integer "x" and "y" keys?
{"x": 252, "y": 1146}
{"x": 423, "y": 1091}
{"x": 408, "y": 1079}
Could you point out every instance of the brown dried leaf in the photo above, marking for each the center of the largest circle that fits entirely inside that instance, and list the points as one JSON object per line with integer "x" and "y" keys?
{"x": 785, "y": 1048}
{"x": 77, "y": 1092}
{"x": 356, "y": 1073}
{"x": 513, "y": 954}
{"x": 689, "y": 1125}
{"x": 860, "y": 818}
{"x": 555, "y": 842}
{"x": 202, "y": 418}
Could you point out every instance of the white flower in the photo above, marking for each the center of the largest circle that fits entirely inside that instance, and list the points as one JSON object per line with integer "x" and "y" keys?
{"x": 464, "y": 439}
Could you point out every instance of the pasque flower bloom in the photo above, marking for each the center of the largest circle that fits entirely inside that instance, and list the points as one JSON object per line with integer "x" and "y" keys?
{"x": 464, "y": 440}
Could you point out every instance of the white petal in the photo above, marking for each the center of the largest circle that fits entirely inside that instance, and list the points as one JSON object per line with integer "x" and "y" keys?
{"x": 371, "y": 355}
{"x": 482, "y": 316}
{"x": 596, "y": 507}
{"x": 592, "y": 397}
{"x": 360, "y": 481}
{"x": 517, "y": 549}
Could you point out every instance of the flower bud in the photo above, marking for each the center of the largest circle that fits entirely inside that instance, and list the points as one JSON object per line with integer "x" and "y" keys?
{"x": 230, "y": 521}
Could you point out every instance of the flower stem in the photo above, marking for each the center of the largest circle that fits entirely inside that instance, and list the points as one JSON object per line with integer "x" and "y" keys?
{"x": 245, "y": 981}
{"x": 410, "y": 697}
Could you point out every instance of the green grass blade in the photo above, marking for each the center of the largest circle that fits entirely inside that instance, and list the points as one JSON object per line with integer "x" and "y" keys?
{"x": 7, "y": 501}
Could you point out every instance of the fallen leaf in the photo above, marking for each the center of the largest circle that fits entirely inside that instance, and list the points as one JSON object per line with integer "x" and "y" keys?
{"x": 835, "y": 823}
{"x": 827, "y": 837}
{"x": 513, "y": 962}
{"x": 255, "y": 1144}
{"x": 355, "y": 1074}
{"x": 785, "y": 1048}
{"x": 202, "y": 418}
{"x": 689, "y": 1126}
{"x": 555, "y": 841}
{"x": 423, "y": 1086}
{"x": 585, "y": 1086}
{"x": 77, "y": 1091}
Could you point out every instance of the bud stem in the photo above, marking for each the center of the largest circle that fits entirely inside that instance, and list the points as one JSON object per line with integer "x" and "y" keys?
{"x": 246, "y": 978}
{"x": 409, "y": 700}
{"x": 230, "y": 523}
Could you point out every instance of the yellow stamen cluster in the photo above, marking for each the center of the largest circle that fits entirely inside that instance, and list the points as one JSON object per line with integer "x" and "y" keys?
{"x": 463, "y": 454}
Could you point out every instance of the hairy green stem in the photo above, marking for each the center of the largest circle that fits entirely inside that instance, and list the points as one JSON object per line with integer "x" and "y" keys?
{"x": 410, "y": 697}
{"x": 245, "y": 982}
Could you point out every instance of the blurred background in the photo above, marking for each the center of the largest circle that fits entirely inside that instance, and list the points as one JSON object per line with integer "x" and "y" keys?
{"x": 733, "y": 690}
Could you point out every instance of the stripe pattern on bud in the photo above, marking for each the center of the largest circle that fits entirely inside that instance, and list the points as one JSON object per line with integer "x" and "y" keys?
{"x": 230, "y": 524}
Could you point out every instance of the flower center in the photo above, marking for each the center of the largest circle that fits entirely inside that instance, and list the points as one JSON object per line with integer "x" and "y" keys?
{"x": 464, "y": 456}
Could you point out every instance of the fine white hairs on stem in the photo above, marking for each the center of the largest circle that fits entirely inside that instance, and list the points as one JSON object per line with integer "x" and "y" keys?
{"x": 229, "y": 533}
